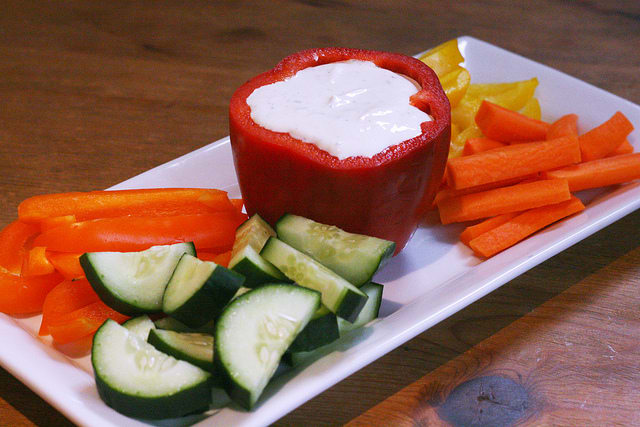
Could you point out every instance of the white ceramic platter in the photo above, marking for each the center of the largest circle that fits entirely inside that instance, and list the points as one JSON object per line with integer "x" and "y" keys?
{"x": 433, "y": 277}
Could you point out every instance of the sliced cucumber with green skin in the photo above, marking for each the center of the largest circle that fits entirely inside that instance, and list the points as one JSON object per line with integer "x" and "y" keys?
{"x": 140, "y": 326}
{"x": 321, "y": 330}
{"x": 253, "y": 332}
{"x": 192, "y": 347}
{"x": 245, "y": 255}
{"x": 133, "y": 282}
{"x": 338, "y": 295}
{"x": 355, "y": 257}
{"x": 199, "y": 290}
{"x": 171, "y": 324}
{"x": 139, "y": 381}
{"x": 369, "y": 311}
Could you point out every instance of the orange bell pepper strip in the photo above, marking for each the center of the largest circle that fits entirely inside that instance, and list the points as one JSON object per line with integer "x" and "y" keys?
{"x": 82, "y": 322}
{"x": 115, "y": 203}
{"x": 36, "y": 262}
{"x": 67, "y": 264}
{"x": 131, "y": 233}
{"x": 25, "y": 295}
{"x": 67, "y": 296}
{"x": 221, "y": 258}
{"x": 13, "y": 240}
{"x": 56, "y": 221}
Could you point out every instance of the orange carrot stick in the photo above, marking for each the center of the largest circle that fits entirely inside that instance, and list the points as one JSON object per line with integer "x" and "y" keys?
{"x": 109, "y": 204}
{"x": 474, "y": 231}
{"x": 599, "y": 173}
{"x": 566, "y": 125}
{"x": 502, "y": 200}
{"x": 521, "y": 226}
{"x": 603, "y": 139}
{"x": 624, "y": 148}
{"x": 448, "y": 192}
{"x": 476, "y": 145}
{"x": 505, "y": 125}
{"x": 511, "y": 162}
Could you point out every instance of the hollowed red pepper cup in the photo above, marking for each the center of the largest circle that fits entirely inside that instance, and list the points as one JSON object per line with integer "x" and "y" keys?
{"x": 384, "y": 196}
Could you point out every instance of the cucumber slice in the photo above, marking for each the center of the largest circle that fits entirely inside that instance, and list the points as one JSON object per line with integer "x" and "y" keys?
{"x": 369, "y": 311}
{"x": 321, "y": 330}
{"x": 199, "y": 290}
{"x": 192, "y": 347}
{"x": 137, "y": 380}
{"x": 253, "y": 332}
{"x": 133, "y": 282}
{"x": 171, "y": 324}
{"x": 355, "y": 257}
{"x": 140, "y": 326}
{"x": 338, "y": 295}
{"x": 245, "y": 255}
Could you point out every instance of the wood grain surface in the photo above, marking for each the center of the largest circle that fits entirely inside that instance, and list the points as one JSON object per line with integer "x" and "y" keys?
{"x": 92, "y": 93}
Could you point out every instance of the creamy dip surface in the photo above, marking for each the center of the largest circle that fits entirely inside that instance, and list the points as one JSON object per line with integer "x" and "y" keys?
{"x": 349, "y": 108}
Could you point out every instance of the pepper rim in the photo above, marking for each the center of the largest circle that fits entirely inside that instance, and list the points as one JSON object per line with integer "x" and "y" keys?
{"x": 430, "y": 98}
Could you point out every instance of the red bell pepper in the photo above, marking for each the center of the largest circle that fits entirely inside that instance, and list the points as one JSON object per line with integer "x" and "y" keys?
{"x": 385, "y": 195}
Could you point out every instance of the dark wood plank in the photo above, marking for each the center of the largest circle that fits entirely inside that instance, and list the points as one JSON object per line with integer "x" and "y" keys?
{"x": 573, "y": 360}
{"x": 94, "y": 93}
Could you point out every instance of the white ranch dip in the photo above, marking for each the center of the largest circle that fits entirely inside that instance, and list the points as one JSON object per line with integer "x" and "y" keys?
{"x": 349, "y": 108}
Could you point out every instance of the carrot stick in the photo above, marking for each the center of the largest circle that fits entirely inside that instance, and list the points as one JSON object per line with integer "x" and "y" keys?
{"x": 512, "y": 161}
{"x": 521, "y": 226}
{"x": 476, "y": 145}
{"x": 109, "y": 204}
{"x": 474, "y": 231}
{"x": 504, "y": 125}
{"x": 624, "y": 148}
{"x": 502, "y": 200}
{"x": 566, "y": 125}
{"x": 603, "y": 139}
{"x": 448, "y": 192}
{"x": 600, "y": 172}
{"x": 131, "y": 233}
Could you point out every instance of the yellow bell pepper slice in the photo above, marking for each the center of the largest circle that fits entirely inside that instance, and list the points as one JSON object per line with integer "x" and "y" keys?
{"x": 532, "y": 109}
{"x": 513, "y": 96}
{"x": 457, "y": 142}
{"x": 455, "y": 84}
{"x": 443, "y": 58}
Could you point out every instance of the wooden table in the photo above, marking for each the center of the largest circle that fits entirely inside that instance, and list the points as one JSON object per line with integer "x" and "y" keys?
{"x": 94, "y": 93}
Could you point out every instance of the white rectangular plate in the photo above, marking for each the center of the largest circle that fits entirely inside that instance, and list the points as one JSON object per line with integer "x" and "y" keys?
{"x": 433, "y": 277}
